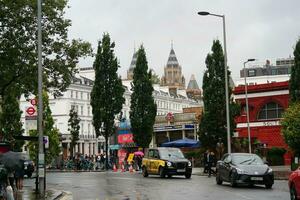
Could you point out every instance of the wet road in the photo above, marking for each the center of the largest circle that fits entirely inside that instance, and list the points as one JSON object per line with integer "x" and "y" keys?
{"x": 121, "y": 186}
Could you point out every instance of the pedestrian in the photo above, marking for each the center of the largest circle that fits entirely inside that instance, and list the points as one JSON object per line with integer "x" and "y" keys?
{"x": 205, "y": 164}
{"x": 11, "y": 179}
{"x": 210, "y": 161}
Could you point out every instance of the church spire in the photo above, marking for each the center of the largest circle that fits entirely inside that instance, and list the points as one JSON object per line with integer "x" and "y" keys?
{"x": 172, "y": 60}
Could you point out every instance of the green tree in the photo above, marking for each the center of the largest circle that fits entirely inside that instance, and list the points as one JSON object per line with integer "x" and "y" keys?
{"x": 142, "y": 108}
{"x": 74, "y": 128}
{"x": 213, "y": 122}
{"x": 18, "y": 46}
{"x": 291, "y": 126}
{"x": 10, "y": 119}
{"x": 48, "y": 130}
{"x": 107, "y": 93}
{"x": 154, "y": 78}
{"x": 295, "y": 75}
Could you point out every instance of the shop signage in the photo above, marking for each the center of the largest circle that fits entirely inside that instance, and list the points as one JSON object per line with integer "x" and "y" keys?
{"x": 125, "y": 138}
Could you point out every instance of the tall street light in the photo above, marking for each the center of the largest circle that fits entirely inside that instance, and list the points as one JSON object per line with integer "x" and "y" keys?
{"x": 247, "y": 105}
{"x": 226, "y": 77}
{"x": 41, "y": 156}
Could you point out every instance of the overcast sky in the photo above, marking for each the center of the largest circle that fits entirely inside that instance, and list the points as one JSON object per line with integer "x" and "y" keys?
{"x": 261, "y": 29}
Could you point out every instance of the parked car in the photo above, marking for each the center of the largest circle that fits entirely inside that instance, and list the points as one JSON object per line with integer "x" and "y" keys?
{"x": 164, "y": 161}
{"x": 244, "y": 168}
{"x": 294, "y": 184}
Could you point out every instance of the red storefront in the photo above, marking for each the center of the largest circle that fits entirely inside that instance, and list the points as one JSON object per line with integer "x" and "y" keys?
{"x": 266, "y": 105}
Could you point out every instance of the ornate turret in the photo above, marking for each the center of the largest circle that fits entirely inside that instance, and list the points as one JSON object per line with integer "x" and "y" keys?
{"x": 132, "y": 66}
{"x": 193, "y": 90}
{"x": 172, "y": 73}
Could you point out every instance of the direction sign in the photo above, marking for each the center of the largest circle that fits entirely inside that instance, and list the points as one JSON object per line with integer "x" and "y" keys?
{"x": 30, "y": 111}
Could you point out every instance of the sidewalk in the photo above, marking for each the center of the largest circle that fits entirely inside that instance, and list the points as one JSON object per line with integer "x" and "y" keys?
{"x": 280, "y": 172}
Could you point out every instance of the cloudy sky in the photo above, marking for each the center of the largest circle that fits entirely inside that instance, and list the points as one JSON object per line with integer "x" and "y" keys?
{"x": 261, "y": 29}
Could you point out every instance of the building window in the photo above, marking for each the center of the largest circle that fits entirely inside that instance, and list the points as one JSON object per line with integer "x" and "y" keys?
{"x": 88, "y": 96}
{"x": 251, "y": 72}
{"x": 81, "y": 110}
{"x": 89, "y": 128}
{"x": 81, "y": 95}
{"x": 71, "y": 93}
{"x": 81, "y": 128}
{"x": 88, "y": 110}
{"x": 72, "y": 107}
{"x": 76, "y": 94}
{"x": 270, "y": 111}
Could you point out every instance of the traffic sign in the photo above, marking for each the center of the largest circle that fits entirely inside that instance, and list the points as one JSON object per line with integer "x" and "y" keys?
{"x": 30, "y": 111}
{"x": 33, "y": 102}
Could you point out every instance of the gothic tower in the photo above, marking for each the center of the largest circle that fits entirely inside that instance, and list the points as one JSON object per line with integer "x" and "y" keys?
{"x": 172, "y": 73}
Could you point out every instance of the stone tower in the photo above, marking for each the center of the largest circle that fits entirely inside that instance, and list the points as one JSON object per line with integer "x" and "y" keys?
{"x": 172, "y": 73}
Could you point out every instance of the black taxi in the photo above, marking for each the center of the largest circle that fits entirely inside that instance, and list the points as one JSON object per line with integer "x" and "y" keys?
{"x": 166, "y": 161}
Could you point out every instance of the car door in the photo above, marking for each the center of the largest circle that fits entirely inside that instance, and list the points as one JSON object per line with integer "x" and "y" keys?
{"x": 150, "y": 160}
{"x": 155, "y": 162}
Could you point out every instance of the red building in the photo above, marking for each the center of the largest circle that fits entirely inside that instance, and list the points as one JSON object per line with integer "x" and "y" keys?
{"x": 266, "y": 105}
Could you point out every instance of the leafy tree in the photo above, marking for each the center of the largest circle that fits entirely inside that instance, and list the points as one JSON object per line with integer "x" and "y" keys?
{"x": 74, "y": 128}
{"x": 10, "y": 119}
{"x": 48, "y": 130}
{"x": 142, "y": 108}
{"x": 107, "y": 93}
{"x": 295, "y": 75}
{"x": 212, "y": 127}
{"x": 291, "y": 126}
{"x": 18, "y": 46}
{"x": 154, "y": 78}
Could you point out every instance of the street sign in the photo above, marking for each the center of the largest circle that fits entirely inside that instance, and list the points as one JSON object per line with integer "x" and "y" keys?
{"x": 46, "y": 141}
{"x": 33, "y": 102}
{"x": 30, "y": 111}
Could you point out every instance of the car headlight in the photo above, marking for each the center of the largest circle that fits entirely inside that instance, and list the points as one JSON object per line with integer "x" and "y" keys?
{"x": 169, "y": 164}
{"x": 189, "y": 164}
{"x": 269, "y": 170}
{"x": 240, "y": 171}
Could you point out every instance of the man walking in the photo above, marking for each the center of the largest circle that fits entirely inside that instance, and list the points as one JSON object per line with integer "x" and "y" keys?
{"x": 209, "y": 162}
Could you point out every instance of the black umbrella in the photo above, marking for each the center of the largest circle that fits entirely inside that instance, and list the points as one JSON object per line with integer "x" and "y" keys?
{"x": 12, "y": 160}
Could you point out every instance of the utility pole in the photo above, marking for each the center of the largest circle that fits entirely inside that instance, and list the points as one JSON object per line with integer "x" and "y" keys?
{"x": 41, "y": 156}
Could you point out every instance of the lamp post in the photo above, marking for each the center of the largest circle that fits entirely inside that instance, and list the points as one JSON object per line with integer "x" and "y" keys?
{"x": 247, "y": 105}
{"x": 41, "y": 155}
{"x": 226, "y": 77}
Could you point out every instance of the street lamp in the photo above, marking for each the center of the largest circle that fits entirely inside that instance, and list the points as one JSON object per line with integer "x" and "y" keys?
{"x": 226, "y": 77}
{"x": 247, "y": 105}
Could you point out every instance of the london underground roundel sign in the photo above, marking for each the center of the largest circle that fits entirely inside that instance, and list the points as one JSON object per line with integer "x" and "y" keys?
{"x": 30, "y": 111}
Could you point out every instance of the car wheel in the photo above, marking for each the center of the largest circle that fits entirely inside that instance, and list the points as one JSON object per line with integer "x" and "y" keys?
{"x": 188, "y": 175}
{"x": 268, "y": 185}
{"x": 232, "y": 180}
{"x": 144, "y": 171}
{"x": 218, "y": 179}
{"x": 29, "y": 175}
{"x": 161, "y": 172}
{"x": 293, "y": 193}
{"x": 169, "y": 176}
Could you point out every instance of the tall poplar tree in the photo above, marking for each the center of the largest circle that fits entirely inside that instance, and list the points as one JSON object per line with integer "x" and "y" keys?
{"x": 213, "y": 123}
{"x": 142, "y": 108}
{"x": 74, "y": 128}
{"x": 107, "y": 93}
{"x": 295, "y": 75}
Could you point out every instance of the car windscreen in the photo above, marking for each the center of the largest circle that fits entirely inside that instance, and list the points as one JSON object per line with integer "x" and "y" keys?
{"x": 170, "y": 154}
{"x": 247, "y": 160}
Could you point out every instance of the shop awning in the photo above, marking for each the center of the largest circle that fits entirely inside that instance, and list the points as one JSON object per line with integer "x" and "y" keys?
{"x": 182, "y": 143}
